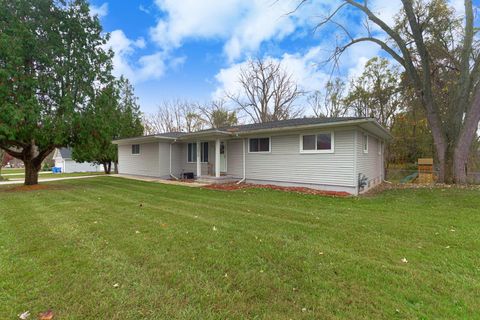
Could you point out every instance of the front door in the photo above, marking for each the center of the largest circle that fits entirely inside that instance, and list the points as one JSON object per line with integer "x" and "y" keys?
{"x": 223, "y": 157}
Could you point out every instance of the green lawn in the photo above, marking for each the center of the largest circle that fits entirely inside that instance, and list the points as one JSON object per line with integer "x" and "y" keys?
{"x": 49, "y": 175}
{"x": 186, "y": 253}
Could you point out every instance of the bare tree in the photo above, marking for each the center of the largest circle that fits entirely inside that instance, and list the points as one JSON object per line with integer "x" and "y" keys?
{"x": 174, "y": 116}
{"x": 329, "y": 103}
{"x": 268, "y": 92}
{"x": 440, "y": 55}
{"x": 217, "y": 115}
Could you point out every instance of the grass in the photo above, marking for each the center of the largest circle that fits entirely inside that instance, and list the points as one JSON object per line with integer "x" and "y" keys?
{"x": 187, "y": 253}
{"x": 50, "y": 175}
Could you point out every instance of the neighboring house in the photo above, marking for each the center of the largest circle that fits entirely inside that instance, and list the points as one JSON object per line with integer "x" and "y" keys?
{"x": 336, "y": 154}
{"x": 63, "y": 159}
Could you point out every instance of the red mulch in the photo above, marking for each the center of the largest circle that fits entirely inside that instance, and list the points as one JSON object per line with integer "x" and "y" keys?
{"x": 23, "y": 188}
{"x": 37, "y": 187}
{"x": 234, "y": 186}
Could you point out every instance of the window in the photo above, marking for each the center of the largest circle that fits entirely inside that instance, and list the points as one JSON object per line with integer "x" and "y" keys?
{"x": 204, "y": 153}
{"x": 380, "y": 147}
{"x": 192, "y": 152}
{"x": 317, "y": 143}
{"x": 259, "y": 145}
{"x": 365, "y": 143}
{"x": 135, "y": 149}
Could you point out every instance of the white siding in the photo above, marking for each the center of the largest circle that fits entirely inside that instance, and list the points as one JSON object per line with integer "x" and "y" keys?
{"x": 286, "y": 164}
{"x": 146, "y": 163}
{"x": 70, "y": 166}
{"x": 371, "y": 163}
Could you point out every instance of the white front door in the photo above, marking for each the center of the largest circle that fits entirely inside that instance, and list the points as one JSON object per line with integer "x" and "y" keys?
{"x": 223, "y": 157}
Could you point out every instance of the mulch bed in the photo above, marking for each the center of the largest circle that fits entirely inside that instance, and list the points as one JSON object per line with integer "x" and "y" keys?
{"x": 37, "y": 187}
{"x": 234, "y": 186}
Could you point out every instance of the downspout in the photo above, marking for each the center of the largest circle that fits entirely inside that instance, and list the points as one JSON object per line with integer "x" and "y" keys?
{"x": 171, "y": 174}
{"x": 355, "y": 169}
{"x": 244, "y": 165}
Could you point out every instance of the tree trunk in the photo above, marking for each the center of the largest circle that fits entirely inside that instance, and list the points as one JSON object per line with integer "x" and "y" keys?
{"x": 107, "y": 167}
{"x": 32, "y": 168}
{"x": 465, "y": 139}
{"x": 115, "y": 166}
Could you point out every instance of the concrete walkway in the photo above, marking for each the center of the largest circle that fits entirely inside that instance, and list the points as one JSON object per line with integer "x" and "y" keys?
{"x": 49, "y": 179}
{"x": 158, "y": 180}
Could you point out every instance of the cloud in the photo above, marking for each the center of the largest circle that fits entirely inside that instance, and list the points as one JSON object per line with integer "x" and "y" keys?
{"x": 243, "y": 25}
{"x": 100, "y": 11}
{"x": 126, "y": 63}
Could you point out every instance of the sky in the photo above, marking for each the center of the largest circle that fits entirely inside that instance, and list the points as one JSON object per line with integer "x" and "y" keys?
{"x": 192, "y": 49}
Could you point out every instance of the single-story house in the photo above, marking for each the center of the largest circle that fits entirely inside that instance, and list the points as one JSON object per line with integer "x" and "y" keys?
{"x": 63, "y": 159}
{"x": 334, "y": 154}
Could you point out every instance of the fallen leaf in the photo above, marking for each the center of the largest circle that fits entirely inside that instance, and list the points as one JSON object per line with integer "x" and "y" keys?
{"x": 214, "y": 228}
{"x": 304, "y": 309}
{"x": 137, "y": 231}
{"x": 116, "y": 285}
{"x": 47, "y": 315}
{"x": 24, "y": 315}
{"x": 404, "y": 260}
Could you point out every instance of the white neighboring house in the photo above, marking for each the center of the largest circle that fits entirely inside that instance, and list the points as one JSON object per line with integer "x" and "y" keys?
{"x": 333, "y": 154}
{"x": 63, "y": 159}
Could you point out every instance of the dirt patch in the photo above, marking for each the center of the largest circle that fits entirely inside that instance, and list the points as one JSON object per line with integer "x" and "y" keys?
{"x": 37, "y": 187}
{"x": 234, "y": 186}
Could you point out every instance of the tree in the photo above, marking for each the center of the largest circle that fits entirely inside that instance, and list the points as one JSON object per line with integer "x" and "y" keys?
{"x": 268, "y": 92}
{"x": 217, "y": 114}
{"x": 51, "y": 59}
{"x": 377, "y": 92}
{"x": 440, "y": 57}
{"x": 2, "y": 156}
{"x": 112, "y": 114}
{"x": 331, "y": 103}
{"x": 175, "y": 116}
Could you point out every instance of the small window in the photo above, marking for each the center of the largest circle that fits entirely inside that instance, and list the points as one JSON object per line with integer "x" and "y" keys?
{"x": 259, "y": 145}
{"x": 135, "y": 149}
{"x": 321, "y": 142}
{"x": 192, "y": 152}
{"x": 365, "y": 143}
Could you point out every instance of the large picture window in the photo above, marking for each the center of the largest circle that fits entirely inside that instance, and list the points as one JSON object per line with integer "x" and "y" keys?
{"x": 192, "y": 152}
{"x": 317, "y": 143}
{"x": 135, "y": 149}
{"x": 259, "y": 145}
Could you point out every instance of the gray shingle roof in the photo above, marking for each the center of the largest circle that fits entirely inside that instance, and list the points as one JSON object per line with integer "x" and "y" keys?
{"x": 284, "y": 124}
{"x": 66, "y": 153}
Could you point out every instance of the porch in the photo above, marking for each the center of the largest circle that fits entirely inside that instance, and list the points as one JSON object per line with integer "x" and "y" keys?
{"x": 204, "y": 159}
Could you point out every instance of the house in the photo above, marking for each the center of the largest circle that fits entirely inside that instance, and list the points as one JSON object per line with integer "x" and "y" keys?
{"x": 334, "y": 154}
{"x": 63, "y": 159}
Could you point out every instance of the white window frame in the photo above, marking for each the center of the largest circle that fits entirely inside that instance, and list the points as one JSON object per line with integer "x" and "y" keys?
{"x": 365, "y": 135}
{"x": 269, "y": 145}
{"x": 201, "y": 149}
{"x": 331, "y": 150}
{"x": 139, "y": 148}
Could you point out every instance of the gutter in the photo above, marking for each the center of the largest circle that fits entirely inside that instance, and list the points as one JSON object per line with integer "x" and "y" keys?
{"x": 170, "y": 170}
